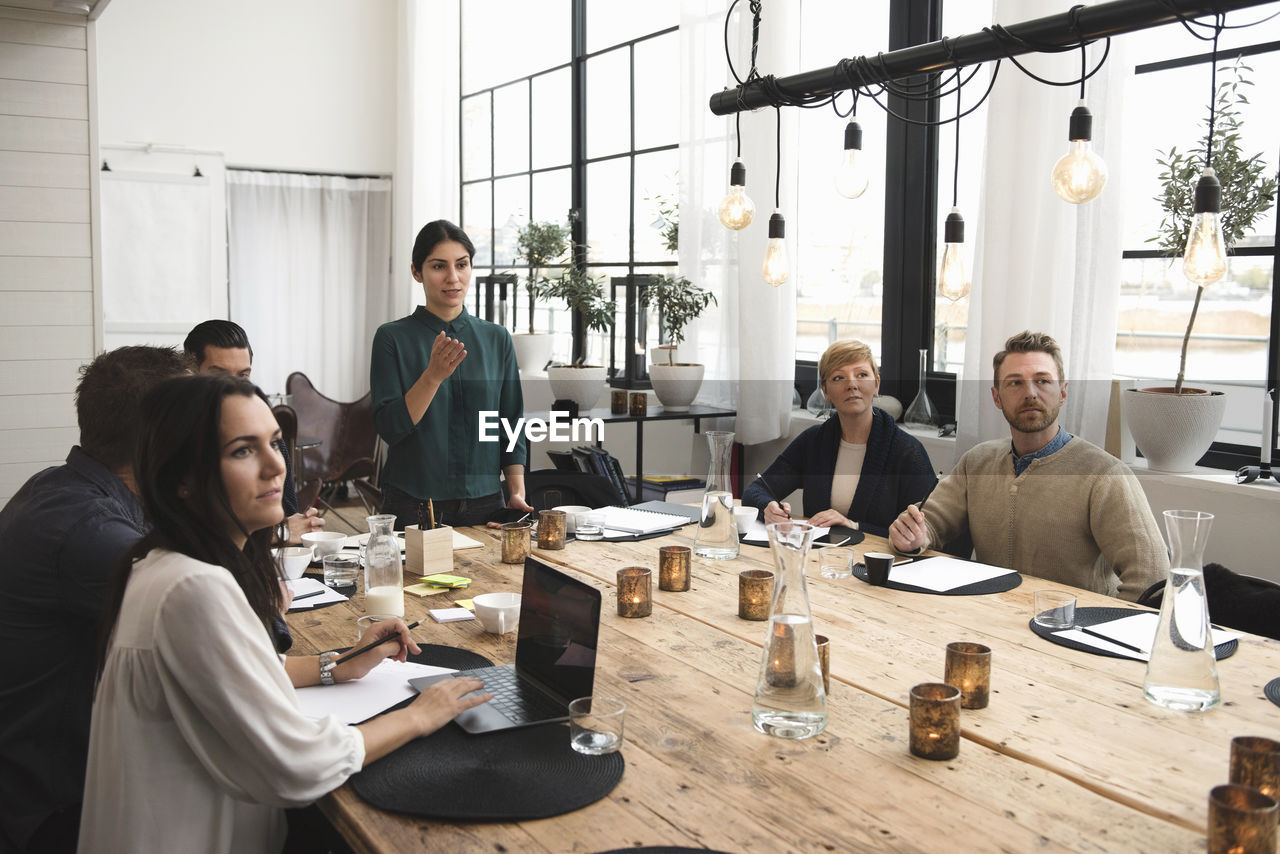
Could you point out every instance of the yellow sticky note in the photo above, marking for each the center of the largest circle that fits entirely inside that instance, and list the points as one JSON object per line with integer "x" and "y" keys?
{"x": 424, "y": 590}
{"x": 465, "y": 603}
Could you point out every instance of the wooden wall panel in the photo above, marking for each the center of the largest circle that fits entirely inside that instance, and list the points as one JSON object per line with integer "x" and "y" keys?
{"x": 51, "y": 100}
{"x": 24, "y": 411}
{"x": 37, "y": 62}
{"x": 27, "y": 308}
{"x": 47, "y": 443}
{"x": 33, "y": 133}
{"x": 52, "y": 376}
{"x": 18, "y": 273}
{"x": 56, "y": 239}
{"x": 37, "y": 169}
{"x": 39, "y": 29}
{"x": 43, "y": 204}
{"x": 13, "y": 475}
{"x": 46, "y": 342}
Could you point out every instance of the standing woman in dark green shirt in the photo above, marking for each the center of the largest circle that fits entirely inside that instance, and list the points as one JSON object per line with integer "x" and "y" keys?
{"x": 433, "y": 375}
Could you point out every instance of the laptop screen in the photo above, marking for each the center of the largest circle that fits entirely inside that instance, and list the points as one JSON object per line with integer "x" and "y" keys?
{"x": 559, "y": 628}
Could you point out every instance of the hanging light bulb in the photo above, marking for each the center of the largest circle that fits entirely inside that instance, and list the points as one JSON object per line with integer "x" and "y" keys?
{"x": 1205, "y": 260}
{"x": 775, "y": 270}
{"x": 736, "y": 208}
{"x": 953, "y": 284}
{"x": 852, "y": 176}
{"x": 1079, "y": 175}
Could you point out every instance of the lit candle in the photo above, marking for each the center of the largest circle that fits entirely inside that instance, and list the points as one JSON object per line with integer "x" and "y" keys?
{"x": 634, "y": 597}
{"x": 1255, "y": 761}
{"x": 969, "y": 669}
{"x": 781, "y": 672}
{"x": 755, "y": 589}
{"x": 1242, "y": 820}
{"x": 935, "y": 721}
{"x": 673, "y": 568}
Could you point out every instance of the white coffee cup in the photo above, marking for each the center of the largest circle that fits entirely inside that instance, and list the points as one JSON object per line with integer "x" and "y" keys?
{"x": 499, "y": 613}
{"x": 571, "y": 512}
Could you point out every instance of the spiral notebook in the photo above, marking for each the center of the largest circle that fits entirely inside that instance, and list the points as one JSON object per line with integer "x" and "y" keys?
{"x": 629, "y": 520}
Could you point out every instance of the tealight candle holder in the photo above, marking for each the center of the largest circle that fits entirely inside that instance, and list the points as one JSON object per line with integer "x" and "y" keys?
{"x": 1255, "y": 761}
{"x": 935, "y": 721}
{"x": 635, "y": 597}
{"x": 618, "y": 401}
{"x": 969, "y": 669}
{"x": 755, "y": 590}
{"x": 551, "y": 529}
{"x": 639, "y": 404}
{"x": 673, "y": 568}
{"x": 515, "y": 541}
{"x": 824, "y": 661}
{"x": 1242, "y": 820}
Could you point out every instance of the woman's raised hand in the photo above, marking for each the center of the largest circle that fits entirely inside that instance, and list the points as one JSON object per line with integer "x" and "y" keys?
{"x": 446, "y": 354}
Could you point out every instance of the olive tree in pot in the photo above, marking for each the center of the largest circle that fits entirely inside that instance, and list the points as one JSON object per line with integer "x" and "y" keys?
{"x": 584, "y": 293}
{"x": 540, "y": 245}
{"x": 678, "y": 301}
{"x": 1174, "y": 426}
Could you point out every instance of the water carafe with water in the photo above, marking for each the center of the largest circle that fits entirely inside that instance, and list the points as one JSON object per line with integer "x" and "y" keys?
{"x": 790, "y": 701}
{"x": 717, "y": 536}
{"x": 383, "y": 575}
{"x": 1182, "y": 673}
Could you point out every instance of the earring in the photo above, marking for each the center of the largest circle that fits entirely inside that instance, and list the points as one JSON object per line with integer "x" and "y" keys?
{"x": 183, "y": 492}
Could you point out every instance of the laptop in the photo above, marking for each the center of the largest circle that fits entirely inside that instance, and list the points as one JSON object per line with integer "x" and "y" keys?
{"x": 555, "y": 656}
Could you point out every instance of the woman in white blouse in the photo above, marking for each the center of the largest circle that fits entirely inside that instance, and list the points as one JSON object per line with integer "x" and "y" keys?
{"x": 197, "y": 741}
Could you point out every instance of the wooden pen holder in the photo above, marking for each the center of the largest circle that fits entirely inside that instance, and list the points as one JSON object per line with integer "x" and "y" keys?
{"x": 428, "y": 552}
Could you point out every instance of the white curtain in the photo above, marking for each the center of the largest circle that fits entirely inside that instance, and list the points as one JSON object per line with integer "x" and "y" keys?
{"x": 1041, "y": 263}
{"x": 309, "y": 259}
{"x": 748, "y": 341}
{"x": 426, "y": 175}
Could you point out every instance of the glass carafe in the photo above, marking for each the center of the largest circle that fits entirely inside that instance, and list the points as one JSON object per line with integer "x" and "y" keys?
{"x": 790, "y": 701}
{"x": 717, "y": 536}
{"x": 922, "y": 412}
{"x": 383, "y": 576}
{"x": 1182, "y": 673}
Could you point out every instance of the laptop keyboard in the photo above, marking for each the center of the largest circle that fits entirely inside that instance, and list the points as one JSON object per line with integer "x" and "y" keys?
{"x": 520, "y": 703}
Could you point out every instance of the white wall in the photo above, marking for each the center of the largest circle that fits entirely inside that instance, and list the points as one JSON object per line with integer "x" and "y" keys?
{"x": 284, "y": 84}
{"x": 47, "y": 296}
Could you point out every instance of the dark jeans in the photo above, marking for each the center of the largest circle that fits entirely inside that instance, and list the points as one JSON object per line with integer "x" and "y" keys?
{"x": 449, "y": 511}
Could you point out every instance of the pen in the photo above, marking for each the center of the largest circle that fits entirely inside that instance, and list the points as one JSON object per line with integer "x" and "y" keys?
{"x": 765, "y": 484}
{"x": 920, "y": 506}
{"x": 362, "y": 650}
{"x": 307, "y": 595}
{"x": 1101, "y": 636}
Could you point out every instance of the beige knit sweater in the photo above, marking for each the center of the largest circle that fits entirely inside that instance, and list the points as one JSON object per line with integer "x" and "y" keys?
{"x": 1077, "y": 516}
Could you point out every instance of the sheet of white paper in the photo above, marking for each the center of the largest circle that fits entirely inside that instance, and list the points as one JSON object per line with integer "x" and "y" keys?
{"x": 360, "y": 699}
{"x": 462, "y": 541}
{"x": 756, "y": 532}
{"x": 944, "y": 573}
{"x": 1136, "y": 630}
{"x": 299, "y": 586}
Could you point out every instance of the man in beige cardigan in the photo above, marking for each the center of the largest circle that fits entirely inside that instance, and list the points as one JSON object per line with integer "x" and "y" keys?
{"x": 1052, "y": 505}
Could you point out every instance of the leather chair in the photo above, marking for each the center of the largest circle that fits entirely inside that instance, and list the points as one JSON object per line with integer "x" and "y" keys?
{"x": 307, "y": 491}
{"x": 348, "y": 443}
{"x": 547, "y": 488}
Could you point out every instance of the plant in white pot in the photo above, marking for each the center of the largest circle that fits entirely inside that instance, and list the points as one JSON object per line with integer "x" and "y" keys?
{"x": 539, "y": 244}
{"x": 678, "y": 301}
{"x": 1207, "y": 208}
{"x": 579, "y": 382}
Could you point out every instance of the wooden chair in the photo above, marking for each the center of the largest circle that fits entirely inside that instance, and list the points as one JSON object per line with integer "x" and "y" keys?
{"x": 348, "y": 441}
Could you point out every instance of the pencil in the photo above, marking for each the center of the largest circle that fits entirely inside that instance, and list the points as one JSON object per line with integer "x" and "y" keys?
{"x": 307, "y": 595}
{"x": 1101, "y": 636}
{"x": 765, "y": 484}
{"x": 431, "y": 513}
{"x": 920, "y": 506}
{"x": 362, "y": 650}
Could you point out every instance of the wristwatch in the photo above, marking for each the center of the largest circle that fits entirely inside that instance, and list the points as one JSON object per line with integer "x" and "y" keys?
{"x": 328, "y": 661}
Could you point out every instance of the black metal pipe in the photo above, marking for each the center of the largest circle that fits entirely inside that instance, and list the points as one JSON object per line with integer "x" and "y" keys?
{"x": 1088, "y": 23}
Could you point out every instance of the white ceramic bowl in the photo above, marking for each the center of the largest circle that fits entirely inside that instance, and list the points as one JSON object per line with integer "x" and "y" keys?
{"x": 571, "y": 512}
{"x": 324, "y": 542}
{"x": 744, "y": 516}
{"x": 498, "y": 612}
{"x": 295, "y": 560}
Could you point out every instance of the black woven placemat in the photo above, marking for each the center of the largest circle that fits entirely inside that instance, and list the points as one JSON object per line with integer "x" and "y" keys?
{"x": 833, "y": 535}
{"x": 449, "y": 656}
{"x": 1093, "y": 616}
{"x": 1272, "y": 690}
{"x": 514, "y": 775}
{"x": 662, "y": 849}
{"x": 999, "y": 584}
{"x": 303, "y": 609}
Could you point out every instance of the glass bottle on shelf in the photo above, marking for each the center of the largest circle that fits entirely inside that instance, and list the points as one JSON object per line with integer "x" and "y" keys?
{"x": 383, "y": 575}
{"x": 790, "y": 701}
{"x": 1182, "y": 673}
{"x": 922, "y": 412}
{"x": 717, "y": 536}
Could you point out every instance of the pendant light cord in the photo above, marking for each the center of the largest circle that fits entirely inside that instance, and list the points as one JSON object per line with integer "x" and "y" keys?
{"x": 777, "y": 173}
{"x": 955, "y": 172}
{"x": 1219, "y": 20}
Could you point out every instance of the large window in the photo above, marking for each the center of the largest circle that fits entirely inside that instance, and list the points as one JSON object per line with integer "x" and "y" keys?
{"x": 1167, "y": 105}
{"x": 529, "y": 152}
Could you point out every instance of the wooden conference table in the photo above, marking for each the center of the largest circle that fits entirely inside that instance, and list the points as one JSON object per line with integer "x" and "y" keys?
{"x": 1067, "y": 757}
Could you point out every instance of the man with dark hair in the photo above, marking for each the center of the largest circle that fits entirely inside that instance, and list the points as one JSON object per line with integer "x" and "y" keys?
{"x": 1051, "y": 504}
{"x": 62, "y": 535}
{"x": 222, "y": 347}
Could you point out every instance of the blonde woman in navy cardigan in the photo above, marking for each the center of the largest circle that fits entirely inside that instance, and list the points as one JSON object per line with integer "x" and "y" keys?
{"x": 858, "y": 469}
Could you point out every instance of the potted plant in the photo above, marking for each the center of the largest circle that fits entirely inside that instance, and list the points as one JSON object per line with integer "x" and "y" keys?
{"x": 678, "y": 301}
{"x": 1174, "y": 426}
{"x": 540, "y": 245}
{"x": 579, "y": 382}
